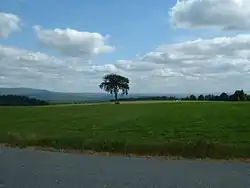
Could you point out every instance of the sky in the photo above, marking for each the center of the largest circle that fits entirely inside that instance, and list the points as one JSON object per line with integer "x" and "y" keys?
{"x": 163, "y": 46}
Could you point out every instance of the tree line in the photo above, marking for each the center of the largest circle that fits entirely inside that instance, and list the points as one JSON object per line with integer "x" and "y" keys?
{"x": 113, "y": 83}
{"x": 239, "y": 95}
{"x": 16, "y": 100}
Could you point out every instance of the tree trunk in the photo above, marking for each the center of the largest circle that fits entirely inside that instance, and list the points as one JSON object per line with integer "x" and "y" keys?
{"x": 116, "y": 98}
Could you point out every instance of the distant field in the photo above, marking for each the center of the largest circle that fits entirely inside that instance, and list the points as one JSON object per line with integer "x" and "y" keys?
{"x": 135, "y": 102}
{"x": 190, "y": 129}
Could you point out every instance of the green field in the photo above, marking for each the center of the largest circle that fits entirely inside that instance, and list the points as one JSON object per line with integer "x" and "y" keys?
{"x": 189, "y": 129}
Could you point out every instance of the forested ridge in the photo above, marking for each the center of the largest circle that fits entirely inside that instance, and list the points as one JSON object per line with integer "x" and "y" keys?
{"x": 16, "y": 100}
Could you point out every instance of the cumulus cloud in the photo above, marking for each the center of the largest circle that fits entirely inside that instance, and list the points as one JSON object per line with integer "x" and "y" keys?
{"x": 95, "y": 69}
{"x": 22, "y": 68}
{"x": 166, "y": 72}
{"x": 220, "y": 50}
{"x": 138, "y": 66}
{"x": 8, "y": 23}
{"x": 201, "y": 65}
{"x": 222, "y": 14}
{"x": 6, "y": 51}
{"x": 206, "y": 61}
{"x": 74, "y": 43}
{"x": 158, "y": 56}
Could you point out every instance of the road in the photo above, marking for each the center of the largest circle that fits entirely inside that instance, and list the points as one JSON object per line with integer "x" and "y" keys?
{"x": 25, "y": 168}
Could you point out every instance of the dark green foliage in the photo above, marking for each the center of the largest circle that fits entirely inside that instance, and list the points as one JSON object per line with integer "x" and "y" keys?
{"x": 209, "y": 97}
{"x": 15, "y": 100}
{"x": 201, "y": 98}
{"x": 192, "y": 97}
{"x": 238, "y": 95}
{"x": 190, "y": 129}
{"x": 224, "y": 96}
{"x": 113, "y": 83}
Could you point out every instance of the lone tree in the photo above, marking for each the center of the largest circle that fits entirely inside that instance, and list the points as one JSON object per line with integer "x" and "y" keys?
{"x": 113, "y": 83}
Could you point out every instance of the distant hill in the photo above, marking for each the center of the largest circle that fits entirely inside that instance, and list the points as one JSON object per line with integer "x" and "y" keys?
{"x": 54, "y": 96}
{"x": 69, "y": 97}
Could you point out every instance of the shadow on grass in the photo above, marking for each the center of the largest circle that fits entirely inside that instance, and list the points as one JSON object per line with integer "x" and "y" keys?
{"x": 196, "y": 149}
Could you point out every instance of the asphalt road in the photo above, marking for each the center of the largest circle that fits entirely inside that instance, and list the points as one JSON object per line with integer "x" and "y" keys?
{"x": 33, "y": 169}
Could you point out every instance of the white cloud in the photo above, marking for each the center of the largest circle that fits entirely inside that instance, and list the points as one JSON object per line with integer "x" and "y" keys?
{"x": 210, "y": 62}
{"x": 128, "y": 65}
{"x": 74, "y": 43}
{"x": 167, "y": 72}
{"x": 158, "y": 56}
{"x": 202, "y": 65}
{"x": 95, "y": 69}
{"x": 22, "y": 68}
{"x": 8, "y": 23}
{"x": 222, "y": 14}
{"x": 220, "y": 50}
{"x": 6, "y": 51}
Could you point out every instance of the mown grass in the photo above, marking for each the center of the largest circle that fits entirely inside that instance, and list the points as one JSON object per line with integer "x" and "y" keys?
{"x": 194, "y": 129}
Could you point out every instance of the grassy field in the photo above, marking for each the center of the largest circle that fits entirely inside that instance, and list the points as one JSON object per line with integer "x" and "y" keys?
{"x": 189, "y": 129}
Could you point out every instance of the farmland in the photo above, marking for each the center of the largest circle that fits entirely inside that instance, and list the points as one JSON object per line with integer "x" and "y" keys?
{"x": 189, "y": 129}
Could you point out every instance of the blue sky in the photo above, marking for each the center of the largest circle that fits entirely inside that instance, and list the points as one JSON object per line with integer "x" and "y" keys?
{"x": 149, "y": 48}
{"x": 134, "y": 26}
